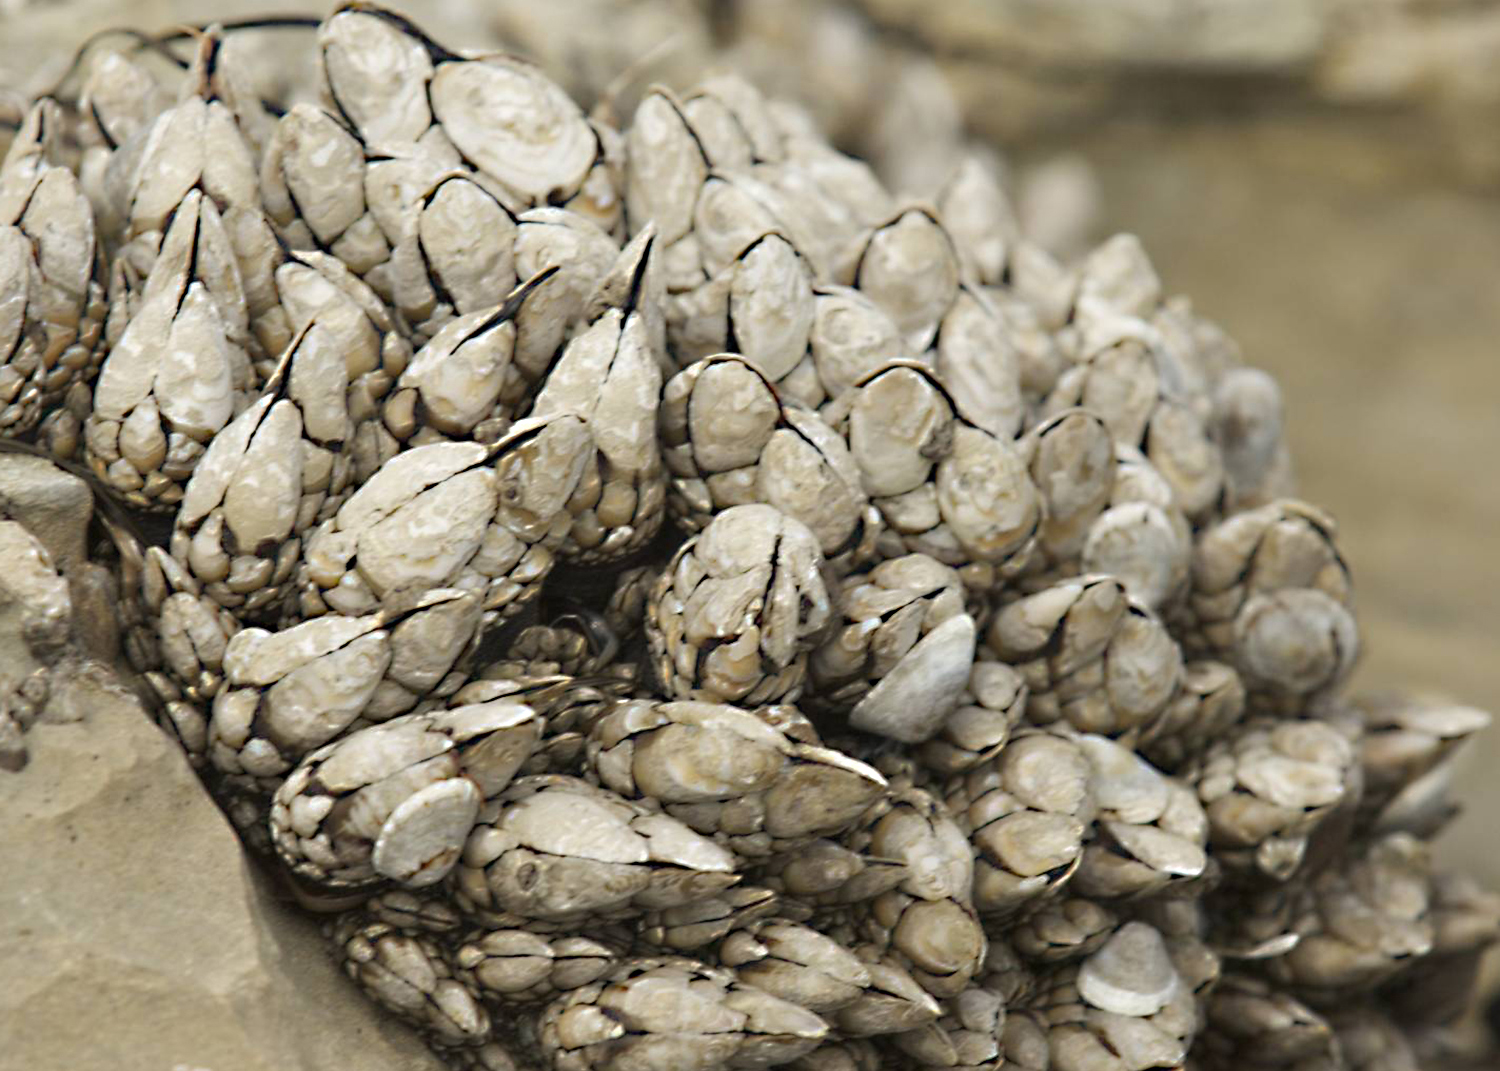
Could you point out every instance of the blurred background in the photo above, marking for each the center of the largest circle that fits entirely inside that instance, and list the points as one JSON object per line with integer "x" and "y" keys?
{"x": 1320, "y": 176}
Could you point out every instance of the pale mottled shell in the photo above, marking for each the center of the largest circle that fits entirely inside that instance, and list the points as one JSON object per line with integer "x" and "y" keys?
{"x": 911, "y": 703}
{"x": 667, "y": 168}
{"x": 322, "y": 167}
{"x": 378, "y": 74}
{"x": 911, "y": 270}
{"x": 514, "y": 123}
{"x": 851, "y": 337}
{"x": 423, "y": 837}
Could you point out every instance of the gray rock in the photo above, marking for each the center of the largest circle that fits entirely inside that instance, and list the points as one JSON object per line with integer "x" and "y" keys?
{"x": 53, "y": 505}
{"x": 35, "y": 609}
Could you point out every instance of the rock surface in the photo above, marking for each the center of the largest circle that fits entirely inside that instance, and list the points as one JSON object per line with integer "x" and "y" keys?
{"x": 135, "y": 933}
{"x": 54, "y": 506}
{"x": 35, "y": 609}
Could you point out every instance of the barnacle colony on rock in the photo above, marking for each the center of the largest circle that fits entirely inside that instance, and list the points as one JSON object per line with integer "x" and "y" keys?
{"x": 707, "y": 611}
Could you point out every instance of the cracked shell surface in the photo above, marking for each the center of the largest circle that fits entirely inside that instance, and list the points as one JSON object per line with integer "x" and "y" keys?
{"x": 674, "y": 1012}
{"x": 900, "y": 657}
{"x": 739, "y": 608}
{"x": 397, "y": 800}
{"x": 729, "y": 441}
{"x": 730, "y": 775}
{"x": 414, "y": 976}
{"x": 514, "y": 123}
{"x": 1026, "y": 813}
{"x": 555, "y": 847}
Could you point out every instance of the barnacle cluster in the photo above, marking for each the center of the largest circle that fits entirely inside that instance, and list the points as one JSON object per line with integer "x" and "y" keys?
{"x": 688, "y": 608}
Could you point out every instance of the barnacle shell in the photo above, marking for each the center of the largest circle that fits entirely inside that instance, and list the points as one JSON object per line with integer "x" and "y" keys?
{"x": 592, "y": 547}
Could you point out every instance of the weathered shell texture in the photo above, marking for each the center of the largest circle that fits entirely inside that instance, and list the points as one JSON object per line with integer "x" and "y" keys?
{"x": 557, "y": 848}
{"x": 907, "y": 641}
{"x": 1026, "y": 813}
{"x": 686, "y": 606}
{"x": 1269, "y": 786}
{"x": 928, "y": 923}
{"x": 288, "y": 460}
{"x": 482, "y": 518}
{"x": 397, "y": 800}
{"x": 1126, "y": 1001}
{"x": 738, "y": 609}
{"x": 610, "y": 376}
{"x": 728, "y": 440}
{"x": 730, "y": 775}
{"x": 519, "y": 966}
{"x": 945, "y": 486}
{"x": 180, "y": 369}
{"x": 1150, "y": 831}
{"x": 1090, "y": 655}
{"x": 668, "y": 1012}
{"x": 50, "y": 276}
{"x": 415, "y": 977}
{"x": 287, "y": 693}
